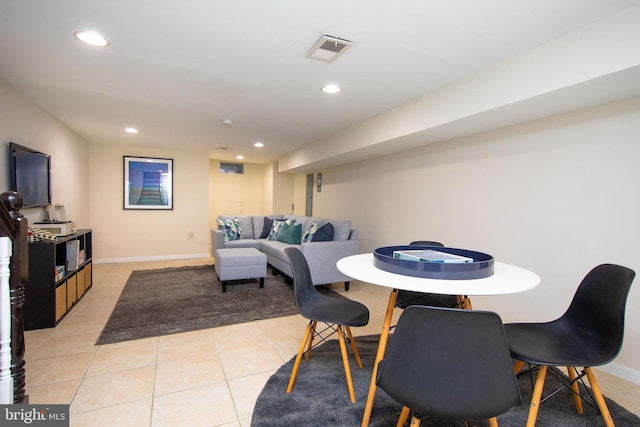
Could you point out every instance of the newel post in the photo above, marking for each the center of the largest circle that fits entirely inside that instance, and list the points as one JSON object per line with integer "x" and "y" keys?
{"x": 18, "y": 279}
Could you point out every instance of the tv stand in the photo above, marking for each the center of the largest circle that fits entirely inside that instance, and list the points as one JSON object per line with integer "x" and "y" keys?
{"x": 59, "y": 275}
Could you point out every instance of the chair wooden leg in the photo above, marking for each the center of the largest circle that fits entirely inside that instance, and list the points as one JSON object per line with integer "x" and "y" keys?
{"x": 356, "y": 353}
{"x": 296, "y": 365}
{"x": 571, "y": 371}
{"x": 404, "y": 414}
{"x": 597, "y": 393}
{"x": 311, "y": 336}
{"x": 415, "y": 421}
{"x": 517, "y": 365}
{"x": 345, "y": 361}
{"x": 493, "y": 422}
{"x": 537, "y": 394}
{"x": 464, "y": 302}
{"x": 459, "y": 301}
{"x": 382, "y": 346}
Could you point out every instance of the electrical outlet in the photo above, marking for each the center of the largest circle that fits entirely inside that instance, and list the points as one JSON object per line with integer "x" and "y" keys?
{"x": 190, "y": 235}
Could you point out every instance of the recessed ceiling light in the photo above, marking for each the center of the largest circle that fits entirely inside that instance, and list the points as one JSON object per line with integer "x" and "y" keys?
{"x": 258, "y": 144}
{"x": 92, "y": 38}
{"x": 331, "y": 89}
{"x": 240, "y": 157}
{"x": 131, "y": 130}
{"x": 227, "y": 122}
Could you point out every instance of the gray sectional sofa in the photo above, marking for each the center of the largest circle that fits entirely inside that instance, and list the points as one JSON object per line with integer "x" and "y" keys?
{"x": 321, "y": 255}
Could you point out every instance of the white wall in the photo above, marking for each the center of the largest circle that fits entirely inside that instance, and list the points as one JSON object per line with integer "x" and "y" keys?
{"x": 267, "y": 187}
{"x": 595, "y": 64}
{"x": 130, "y": 235}
{"x": 557, "y": 196}
{"x": 26, "y": 124}
{"x": 88, "y": 181}
{"x": 227, "y": 191}
{"x": 283, "y": 190}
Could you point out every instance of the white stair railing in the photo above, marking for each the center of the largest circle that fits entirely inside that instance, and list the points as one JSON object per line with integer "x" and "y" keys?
{"x": 6, "y": 380}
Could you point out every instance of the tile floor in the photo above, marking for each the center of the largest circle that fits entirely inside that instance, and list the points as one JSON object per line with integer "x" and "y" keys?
{"x": 204, "y": 378}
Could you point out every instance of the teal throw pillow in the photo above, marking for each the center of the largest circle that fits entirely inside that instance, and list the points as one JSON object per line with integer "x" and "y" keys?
{"x": 290, "y": 233}
{"x": 277, "y": 223}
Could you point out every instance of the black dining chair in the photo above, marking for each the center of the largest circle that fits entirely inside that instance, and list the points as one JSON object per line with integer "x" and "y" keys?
{"x": 588, "y": 334}
{"x": 450, "y": 364}
{"x": 406, "y": 298}
{"x": 339, "y": 313}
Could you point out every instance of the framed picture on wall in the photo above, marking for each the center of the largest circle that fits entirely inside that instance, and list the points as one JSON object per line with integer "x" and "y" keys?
{"x": 148, "y": 183}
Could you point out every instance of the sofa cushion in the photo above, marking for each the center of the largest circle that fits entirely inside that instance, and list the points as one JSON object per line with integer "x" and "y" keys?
{"x": 243, "y": 243}
{"x": 290, "y": 233}
{"x": 273, "y": 248}
{"x": 245, "y": 227}
{"x": 324, "y": 233}
{"x": 341, "y": 230}
{"x": 230, "y": 228}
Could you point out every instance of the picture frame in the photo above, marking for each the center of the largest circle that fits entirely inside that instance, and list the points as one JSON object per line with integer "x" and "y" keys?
{"x": 148, "y": 183}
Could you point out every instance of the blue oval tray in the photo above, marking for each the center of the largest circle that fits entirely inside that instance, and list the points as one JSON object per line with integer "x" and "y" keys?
{"x": 481, "y": 267}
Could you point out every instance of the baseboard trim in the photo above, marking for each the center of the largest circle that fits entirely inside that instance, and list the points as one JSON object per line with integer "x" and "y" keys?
{"x": 150, "y": 258}
{"x": 621, "y": 371}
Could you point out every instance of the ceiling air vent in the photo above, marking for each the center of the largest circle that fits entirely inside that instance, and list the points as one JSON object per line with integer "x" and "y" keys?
{"x": 328, "y": 48}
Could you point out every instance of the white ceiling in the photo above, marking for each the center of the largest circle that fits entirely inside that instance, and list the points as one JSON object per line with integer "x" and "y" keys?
{"x": 174, "y": 69}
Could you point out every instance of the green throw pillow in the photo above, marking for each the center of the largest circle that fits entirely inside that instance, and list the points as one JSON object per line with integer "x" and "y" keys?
{"x": 277, "y": 223}
{"x": 289, "y": 233}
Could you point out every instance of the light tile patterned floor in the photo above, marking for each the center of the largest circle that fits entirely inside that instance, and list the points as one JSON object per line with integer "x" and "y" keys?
{"x": 208, "y": 378}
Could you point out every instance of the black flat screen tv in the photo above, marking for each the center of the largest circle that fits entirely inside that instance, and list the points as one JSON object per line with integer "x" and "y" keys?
{"x": 30, "y": 175}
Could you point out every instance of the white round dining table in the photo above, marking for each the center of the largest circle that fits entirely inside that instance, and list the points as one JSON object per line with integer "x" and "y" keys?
{"x": 506, "y": 279}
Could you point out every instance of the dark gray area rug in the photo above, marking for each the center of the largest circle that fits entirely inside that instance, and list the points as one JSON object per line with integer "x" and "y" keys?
{"x": 320, "y": 398}
{"x": 181, "y": 299}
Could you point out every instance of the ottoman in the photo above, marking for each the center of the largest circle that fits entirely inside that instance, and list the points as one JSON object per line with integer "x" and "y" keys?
{"x": 240, "y": 263}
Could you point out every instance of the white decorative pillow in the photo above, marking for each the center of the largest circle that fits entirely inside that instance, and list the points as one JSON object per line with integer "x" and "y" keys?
{"x": 309, "y": 232}
{"x": 230, "y": 228}
{"x": 222, "y": 227}
{"x": 273, "y": 234}
{"x": 239, "y": 233}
